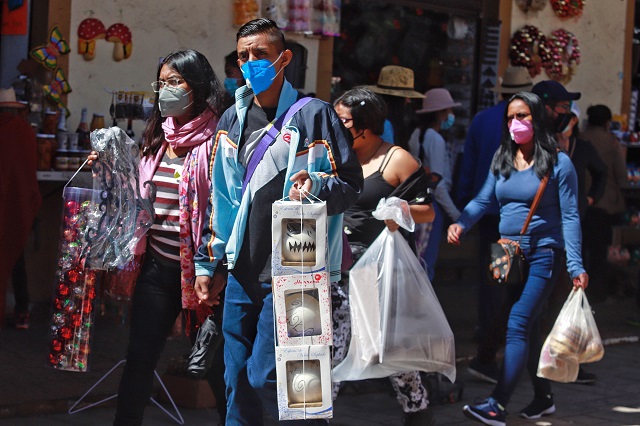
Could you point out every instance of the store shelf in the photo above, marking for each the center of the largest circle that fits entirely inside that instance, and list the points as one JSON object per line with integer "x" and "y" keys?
{"x": 60, "y": 175}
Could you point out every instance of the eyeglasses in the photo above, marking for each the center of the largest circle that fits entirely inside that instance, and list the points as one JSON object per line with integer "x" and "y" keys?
{"x": 520, "y": 116}
{"x": 172, "y": 82}
{"x": 562, "y": 107}
{"x": 345, "y": 120}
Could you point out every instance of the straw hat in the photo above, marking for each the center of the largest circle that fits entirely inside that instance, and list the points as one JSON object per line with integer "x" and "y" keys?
{"x": 8, "y": 99}
{"x": 514, "y": 80}
{"x": 437, "y": 100}
{"x": 396, "y": 81}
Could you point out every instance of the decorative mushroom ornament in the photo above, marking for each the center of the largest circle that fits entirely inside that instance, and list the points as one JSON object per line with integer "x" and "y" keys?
{"x": 121, "y": 36}
{"x": 89, "y": 30}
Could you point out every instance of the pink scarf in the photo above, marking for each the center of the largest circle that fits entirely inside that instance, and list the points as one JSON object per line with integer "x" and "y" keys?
{"x": 194, "y": 189}
{"x": 195, "y": 132}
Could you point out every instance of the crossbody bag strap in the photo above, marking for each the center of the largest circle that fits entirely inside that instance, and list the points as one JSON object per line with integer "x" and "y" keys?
{"x": 536, "y": 201}
{"x": 269, "y": 137}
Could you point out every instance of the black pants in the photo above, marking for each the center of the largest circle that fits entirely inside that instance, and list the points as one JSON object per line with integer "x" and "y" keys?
{"x": 156, "y": 305}
{"x": 20, "y": 290}
{"x": 597, "y": 235}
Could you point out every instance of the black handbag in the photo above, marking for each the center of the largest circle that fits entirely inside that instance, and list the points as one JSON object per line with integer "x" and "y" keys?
{"x": 507, "y": 263}
{"x": 207, "y": 341}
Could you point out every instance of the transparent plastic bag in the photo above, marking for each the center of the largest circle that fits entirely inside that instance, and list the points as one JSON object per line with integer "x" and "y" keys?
{"x": 397, "y": 323}
{"x": 123, "y": 216}
{"x": 396, "y": 209}
{"x": 574, "y": 340}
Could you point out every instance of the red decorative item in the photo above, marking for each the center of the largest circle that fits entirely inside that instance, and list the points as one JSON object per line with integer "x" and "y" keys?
{"x": 529, "y": 49}
{"x": 89, "y": 31}
{"x": 566, "y": 9}
{"x": 121, "y": 36}
{"x": 565, "y": 56}
{"x": 74, "y": 291}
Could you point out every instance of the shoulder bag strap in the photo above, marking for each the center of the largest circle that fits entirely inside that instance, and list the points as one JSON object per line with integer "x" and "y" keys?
{"x": 536, "y": 201}
{"x": 269, "y": 137}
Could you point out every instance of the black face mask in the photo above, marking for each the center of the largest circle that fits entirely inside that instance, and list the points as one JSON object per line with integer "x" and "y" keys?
{"x": 561, "y": 122}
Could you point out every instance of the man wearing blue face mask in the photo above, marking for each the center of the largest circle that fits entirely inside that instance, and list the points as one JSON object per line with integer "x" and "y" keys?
{"x": 429, "y": 146}
{"x": 233, "y": 76}
{"x": 311, "y": 154}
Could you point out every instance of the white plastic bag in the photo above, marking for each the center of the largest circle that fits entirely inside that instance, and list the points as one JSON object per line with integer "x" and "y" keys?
{"x": 396, "y": 209}
{"x": 574, "y": 340}
{"x": 397, "y": 323}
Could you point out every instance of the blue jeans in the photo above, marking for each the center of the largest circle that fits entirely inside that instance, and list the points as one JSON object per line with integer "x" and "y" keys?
{"x": 249, "y": 355}
{"x": 523, "y": 343}
{"x": 433, "y": 246}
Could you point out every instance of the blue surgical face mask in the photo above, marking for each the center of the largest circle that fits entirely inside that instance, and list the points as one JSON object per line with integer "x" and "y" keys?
{"x": 173, "y": 101}
{"x": 260, "y": 74}
{"x": 231, "y": 85}
{"x": 446, "y": 124}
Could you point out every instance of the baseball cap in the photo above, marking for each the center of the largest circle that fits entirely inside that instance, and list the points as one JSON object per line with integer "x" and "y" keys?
{"x": 550, "y": 90}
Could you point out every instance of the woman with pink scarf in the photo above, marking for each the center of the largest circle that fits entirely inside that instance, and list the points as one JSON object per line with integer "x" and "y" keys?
{"x": 176, "y": 151}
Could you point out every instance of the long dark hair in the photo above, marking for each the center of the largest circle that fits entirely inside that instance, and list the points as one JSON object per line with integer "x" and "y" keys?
{"x": 208, "y": 93}
{"x": 368, "y": 110}
{"x": 544, "y": 152}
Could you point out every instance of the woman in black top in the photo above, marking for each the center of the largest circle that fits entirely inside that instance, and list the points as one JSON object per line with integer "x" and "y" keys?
{"x": 389, "y": 171}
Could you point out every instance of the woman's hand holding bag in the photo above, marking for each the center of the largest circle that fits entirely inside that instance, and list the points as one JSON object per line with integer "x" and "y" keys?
{"x": 573, "y": 340}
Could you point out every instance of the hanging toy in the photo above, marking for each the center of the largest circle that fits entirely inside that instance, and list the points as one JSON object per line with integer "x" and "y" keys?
{"x": 47, "y": 55}
{"x": 89, "y": 31}
{"x": 121, "y": 36}
{"x": 56, "y": 88}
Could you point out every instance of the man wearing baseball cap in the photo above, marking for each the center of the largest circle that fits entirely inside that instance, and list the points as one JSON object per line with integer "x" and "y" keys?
{"x": 558, "y": 101}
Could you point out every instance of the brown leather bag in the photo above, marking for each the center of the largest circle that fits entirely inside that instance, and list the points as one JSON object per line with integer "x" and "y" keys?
{"x": 507, "y": 263}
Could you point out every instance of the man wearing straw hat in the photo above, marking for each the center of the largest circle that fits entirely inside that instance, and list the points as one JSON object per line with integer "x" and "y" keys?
{"x": 395, "y": 85}
{"x": 19, "y": 200}
{"x": 483, "y": 139}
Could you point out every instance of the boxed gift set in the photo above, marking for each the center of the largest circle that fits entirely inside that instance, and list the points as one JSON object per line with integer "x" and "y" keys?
{"x": 302, "y": 302}
{"x": 304, "y": 382}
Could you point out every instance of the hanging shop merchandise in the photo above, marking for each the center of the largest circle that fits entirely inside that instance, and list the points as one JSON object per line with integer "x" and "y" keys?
{"x": 47, "y": 54}
{"x": 89, "y": 31}
{"x": 531, "y": 5}
{"x": 566, "y": 9}
{"x": 529, "y": 48}
{"x": 565, "y": 56}
{"x": 92, "y": 29}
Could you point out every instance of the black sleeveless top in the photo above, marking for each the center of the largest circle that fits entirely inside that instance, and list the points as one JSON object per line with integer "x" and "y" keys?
{"x": 360, "y": 226}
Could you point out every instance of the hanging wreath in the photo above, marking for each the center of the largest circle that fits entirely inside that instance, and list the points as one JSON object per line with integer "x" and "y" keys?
{"x": 565, "y": 56}
{"x": 531, "y": 5}
{"x": 529, "y": 49}
{"x": 566, "y": 9}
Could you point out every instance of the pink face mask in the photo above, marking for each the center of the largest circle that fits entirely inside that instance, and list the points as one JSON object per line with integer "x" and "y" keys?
{"x": 521, "y": 131}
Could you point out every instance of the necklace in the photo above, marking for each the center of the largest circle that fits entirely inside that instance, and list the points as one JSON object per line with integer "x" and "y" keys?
{"x": 373, "y": 153}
